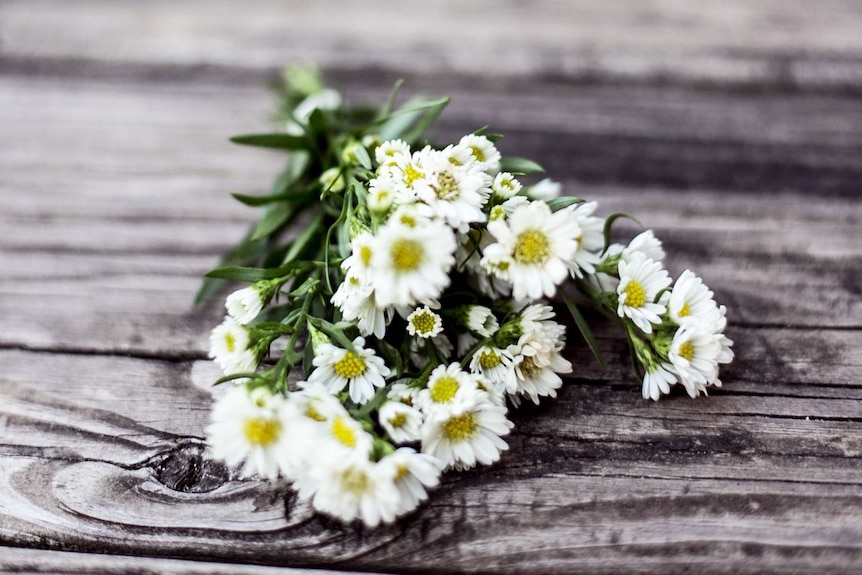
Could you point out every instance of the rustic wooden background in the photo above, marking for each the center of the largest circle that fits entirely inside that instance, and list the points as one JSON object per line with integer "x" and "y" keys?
{"x": 732, "y": 128}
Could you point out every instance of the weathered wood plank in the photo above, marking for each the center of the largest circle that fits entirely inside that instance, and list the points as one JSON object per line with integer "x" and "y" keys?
{"x": 33, "y": 561}
{"x": 105, "y": 454}
{"x": 737, "y": 42}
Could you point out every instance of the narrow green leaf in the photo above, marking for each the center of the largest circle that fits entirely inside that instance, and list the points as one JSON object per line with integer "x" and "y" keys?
{"x": 255, "y": 201}
{"x": 390, "y": 101}
{"x": 244, "y": 274}
{"x": 610, "y": 222}
{"x": 333, "y": 332}
{"x": 557, "y": 204}
{"x": 303, "y": 238}
{"x": 363, "y": 157}
{"x": 520, "y": 166}
{"x": 273, "y": 141}
{"x": 428, "y": 118}
{"x": 276, "y": 216}
{"x": 584, "y": 329}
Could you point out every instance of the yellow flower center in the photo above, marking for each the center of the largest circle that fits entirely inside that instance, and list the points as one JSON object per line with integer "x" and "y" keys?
{"x": 349, "y": 366}
{"x": 343, "y": 432}
{"x": 408, "y": 220}
{"x": 454, "y": 161}
{"x": 406, "y": 255}
{"x": 489, "y": 359}
{"x": 685, "y": 311}
{"x": 686, "y": 350}
{"x": 528, "y": 367}
{"x": 477, "y": 153}
{"x": 532, "y": 247}
{"x": 447, "y": 187}
{"x": 400, "y": 471}
{"x": 262, "y": 432}
{"x": 635, "y": 294}
{"x": 230, "y": 342}
{"x": 497, "y": 213}
{"x": 355, "y": 481}
{"x": 444, "y": 389}
{"x": 423, "y": 323}
{"x": 365, "y": 254}
{"x": 397, "y": 421}
{"x": 313, "y": 413}
{"x": 461, "y": 427}
{"x": 411, "y": 174}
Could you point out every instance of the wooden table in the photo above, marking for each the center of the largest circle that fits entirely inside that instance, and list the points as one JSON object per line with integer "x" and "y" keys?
{"x": 733, "y": 129}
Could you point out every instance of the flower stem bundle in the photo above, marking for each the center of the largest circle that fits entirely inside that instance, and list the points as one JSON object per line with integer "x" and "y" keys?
{"x": 398, "y": 305}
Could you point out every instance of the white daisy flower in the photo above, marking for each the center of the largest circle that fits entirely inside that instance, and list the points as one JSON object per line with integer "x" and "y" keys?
{"x": 641, "y": 280}
{"x": 646, "y": 243}
{"x": 332, "y": 180}
{"x": 401, "y": 391}
{"x": 351, "y": 488}
{"x": 546, "y": 189}
{"x": 505, "y": 185}
{"x": 590, "y": 239}
{"x": 484, "y": 152}
{"x": 381, "y": 195}
{"x": 389, "y": 151}
{"x": 314, "y": 402}
{"x": 361, "y": 372}
{"x": 355, "y": 298}
{"x": 539, "y": 334}
{"x": 536, "y": 376}
{"x": 459, "y": 156}
{"x": 537, "y": 245}
{"x": 424, "y": 323}
{"x": 480, "y": 320}
{"x": 413, "y": 473}
{"x": 470, "y": 434}
{"x": 400, "y": 421}
{"x": 448, "y": 387}
{"x": 245, "y": 304}
{"x": 411, "y": 263}
{"x": 657, "y": 380}
{"x": 496, "y": 365}
{"x": 694, "y": 356}
{"x": 455, "y": 194}
{"x": 256, "y": 427}
{"x": 229, "y": 347}
{"x": 691, "y": 303}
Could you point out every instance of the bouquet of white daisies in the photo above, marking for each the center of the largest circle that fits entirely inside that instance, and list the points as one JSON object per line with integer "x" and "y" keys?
{"x": 398, "y": 305}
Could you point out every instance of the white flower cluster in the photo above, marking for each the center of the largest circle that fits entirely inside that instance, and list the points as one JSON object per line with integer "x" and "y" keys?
{"x": 434, "y": 321}
{"x": 677, "y": 332}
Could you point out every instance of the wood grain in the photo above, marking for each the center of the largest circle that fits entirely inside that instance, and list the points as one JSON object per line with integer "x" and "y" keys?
{"x": 782, "y": 43}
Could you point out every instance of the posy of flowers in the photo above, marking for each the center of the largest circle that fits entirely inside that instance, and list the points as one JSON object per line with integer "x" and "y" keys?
{"x": 398, "y": 305}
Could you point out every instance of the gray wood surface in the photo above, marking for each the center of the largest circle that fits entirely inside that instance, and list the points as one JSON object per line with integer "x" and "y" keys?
{"x": 115, "y": 174}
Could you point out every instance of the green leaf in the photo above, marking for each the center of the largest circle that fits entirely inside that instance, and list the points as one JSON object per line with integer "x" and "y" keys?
{"x": 273, "y": 141}
{"x": 276, "y": 216}
{"x": 610, "y": 222}
{"x": 303, "y": 238}
{"x": 584, "y": 329}
{"x": 390, "y": 101}
{"x": 244, "y": 274}
{"x": 363, "y": 157}
{"x": 255, "y": 201}
{"x": 520, "y": 166}
{"x": 428, "y": 118}
{"x": 246, "y": 251}
{"x": 332, "y": 331}
{"x": 398, "y": 123}
{"x": 557, "y": 204}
